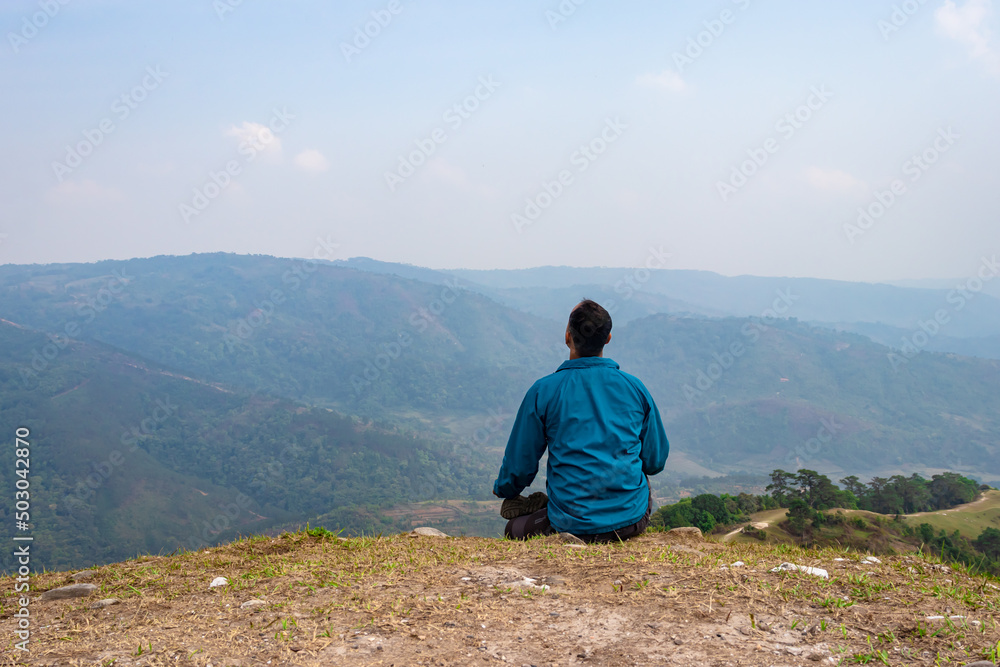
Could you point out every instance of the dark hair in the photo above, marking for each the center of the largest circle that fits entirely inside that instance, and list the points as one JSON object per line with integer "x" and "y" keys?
{"x": 589, "y": 326}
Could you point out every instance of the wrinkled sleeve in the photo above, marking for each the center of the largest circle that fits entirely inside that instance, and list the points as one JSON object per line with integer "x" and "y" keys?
{"x": 655, "y": 447}
{"x": 524, "y": 448}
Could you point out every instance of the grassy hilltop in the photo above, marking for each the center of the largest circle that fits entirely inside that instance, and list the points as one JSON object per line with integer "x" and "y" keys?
{"x": 660, "y": 599}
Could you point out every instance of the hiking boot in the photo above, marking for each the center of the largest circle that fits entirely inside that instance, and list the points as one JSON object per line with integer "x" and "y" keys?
{"x": 515, "y": 507}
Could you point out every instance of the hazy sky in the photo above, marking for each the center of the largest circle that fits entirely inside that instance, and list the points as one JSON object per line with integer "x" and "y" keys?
{"x": 740, "y": 136}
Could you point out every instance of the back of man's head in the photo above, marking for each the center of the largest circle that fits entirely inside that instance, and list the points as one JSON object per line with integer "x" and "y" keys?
{"x": 589, "y": 326}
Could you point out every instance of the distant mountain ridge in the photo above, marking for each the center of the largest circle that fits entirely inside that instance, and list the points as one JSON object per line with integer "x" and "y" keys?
{"x": 262, "y": 348}
{"x": 888, "y": 313}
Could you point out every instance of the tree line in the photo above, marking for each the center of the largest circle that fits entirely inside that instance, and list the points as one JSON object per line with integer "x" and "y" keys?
{"x": 806, "y": 493}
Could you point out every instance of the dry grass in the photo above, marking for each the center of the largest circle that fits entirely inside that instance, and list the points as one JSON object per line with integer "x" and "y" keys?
{"x": 407, "y": 601}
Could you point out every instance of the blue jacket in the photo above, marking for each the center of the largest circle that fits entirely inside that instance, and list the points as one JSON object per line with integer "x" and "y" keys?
{"x": 604, "y": 435}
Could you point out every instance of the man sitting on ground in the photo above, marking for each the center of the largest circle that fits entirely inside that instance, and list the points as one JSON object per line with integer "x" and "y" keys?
{"x": 604, "y": 437}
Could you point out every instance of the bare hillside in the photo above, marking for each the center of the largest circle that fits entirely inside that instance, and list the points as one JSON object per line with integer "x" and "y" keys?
{"x": 316, "y": 599}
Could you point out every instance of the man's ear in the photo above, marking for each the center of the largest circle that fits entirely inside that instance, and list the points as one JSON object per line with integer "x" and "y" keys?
{"x": 608, "y": 340}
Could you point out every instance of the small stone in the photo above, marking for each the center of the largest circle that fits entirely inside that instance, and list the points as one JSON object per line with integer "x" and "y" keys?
{"x": 424, "y": 531}
{"x": 252, "y": 604}
{"x": 569, "y": 538}
{"x": 71, "y": 591}
{"x": 218, "y": 581}
{"x": 84, "y": 575}
{"x": 738, "y": 563}
{"x": 816, "y": 657}
{"x": 106, "y": 602}
{"x": 871, "y": 559}
{"x": 791, "y": 567}
{"x": 678, "y": 641}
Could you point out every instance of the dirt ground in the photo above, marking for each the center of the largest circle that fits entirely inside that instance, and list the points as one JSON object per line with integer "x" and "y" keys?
{"x": 657, "y": 600}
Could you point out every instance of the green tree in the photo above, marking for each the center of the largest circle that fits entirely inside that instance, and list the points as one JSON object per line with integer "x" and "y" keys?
{"x": 714, "y": 505}
{"x": 798, "y": 514}
{"x": 988, "y": 543}
{"x": 781, "y": 486}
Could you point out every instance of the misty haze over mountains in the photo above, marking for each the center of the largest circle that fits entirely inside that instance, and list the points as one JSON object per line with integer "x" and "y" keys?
{"x": 341, "y": 392}
{"x": 885, "y": 313}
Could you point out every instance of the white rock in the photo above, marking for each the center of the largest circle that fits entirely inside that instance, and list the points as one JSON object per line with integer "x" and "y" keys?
{"x": 424, "y": 531}
{"x": 527, "y": 582}
{"x": 218, "y": 581}
{"x": 738, "y": 563}
{"x": 251, "y": 604}
{"x": 871, "y": 559}
{"x": 839, "y": 560}
{"x": 791, "y": 567}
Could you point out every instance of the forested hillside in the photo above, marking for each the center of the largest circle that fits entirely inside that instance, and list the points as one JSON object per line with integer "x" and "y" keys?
{"x": 127, "y": 457}
{"x": 392, "y": 390}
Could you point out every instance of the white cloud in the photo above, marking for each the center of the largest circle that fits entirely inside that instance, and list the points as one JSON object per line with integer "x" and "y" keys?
{"x": 311, "y": 160}
{"x": 84, "y": 192}
{"x": 967, "y": 24}
{"x": 668, "y": 80}
{"x": 834, "y": 180}
{"x": 258, "y": 136}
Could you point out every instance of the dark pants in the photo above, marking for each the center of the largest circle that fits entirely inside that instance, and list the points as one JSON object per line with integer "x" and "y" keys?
{"x": 530, "y": 525}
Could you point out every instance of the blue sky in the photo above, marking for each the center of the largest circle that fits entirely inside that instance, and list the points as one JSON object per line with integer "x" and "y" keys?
{"x": 673, "y": 139}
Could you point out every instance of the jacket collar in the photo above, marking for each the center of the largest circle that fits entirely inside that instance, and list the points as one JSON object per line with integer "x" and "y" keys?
{"x": 587, "y": 362}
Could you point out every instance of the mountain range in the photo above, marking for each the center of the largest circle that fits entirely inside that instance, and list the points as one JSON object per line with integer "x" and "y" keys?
{"x": 175, "y": 401}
